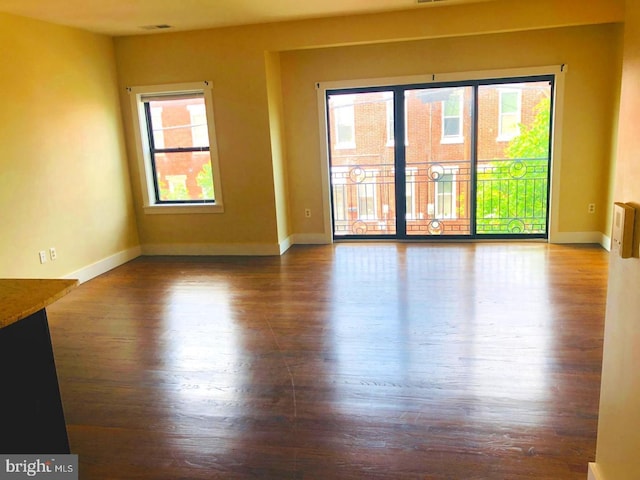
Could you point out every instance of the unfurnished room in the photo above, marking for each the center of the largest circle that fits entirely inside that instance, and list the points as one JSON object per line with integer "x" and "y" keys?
{"x": 392, "y": 240}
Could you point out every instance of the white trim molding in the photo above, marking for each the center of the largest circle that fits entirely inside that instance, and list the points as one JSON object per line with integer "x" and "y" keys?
{"x": 102, "y": 266}
{"x": 594, "y": 472}
{"x": 581, "y": 237}
{"x": 285, "y": 245}
{"x": 311, "y": 239}
{"x": 137, "y": 97}
{"x": 558, "y": 71}
{"x": 212, "y": 249}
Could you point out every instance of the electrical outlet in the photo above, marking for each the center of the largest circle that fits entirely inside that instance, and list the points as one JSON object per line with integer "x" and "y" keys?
{"x": 43, "y": 256}
{"x": 307, "y": 212}
{"x": 592, "y": 208}
{"x": 52, "y": 253}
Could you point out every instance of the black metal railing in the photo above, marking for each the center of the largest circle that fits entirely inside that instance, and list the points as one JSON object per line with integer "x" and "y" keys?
{"x": 510, "y": 195}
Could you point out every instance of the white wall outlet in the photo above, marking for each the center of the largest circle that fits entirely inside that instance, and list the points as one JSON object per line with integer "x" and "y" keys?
{"x": 307, "y": 212}
{"x": 592, "y": 208}
{"x": 43, "y": 256}
{"x": 52, "y": 253}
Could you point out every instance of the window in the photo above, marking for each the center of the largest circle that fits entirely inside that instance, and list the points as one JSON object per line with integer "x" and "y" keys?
{"x": 410, "y": 194}
{"x": 510, "y": 114}
{"x": 345, "y": 121}
{"x": 388, "y": 102}
{"x": 340, "y": 198}
{"x": 452, "y": 109}
{"x": 176, "y": 148}
{"x": 445, "y": 206}
{"x": 367, "y": 201}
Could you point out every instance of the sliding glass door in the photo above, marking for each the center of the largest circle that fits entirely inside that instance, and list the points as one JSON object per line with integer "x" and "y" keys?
{"x": 438, "y": 161}
{"x": 461, "y": 160}
{"x": 363, "y": 163}
{"x": 513, "y": 158}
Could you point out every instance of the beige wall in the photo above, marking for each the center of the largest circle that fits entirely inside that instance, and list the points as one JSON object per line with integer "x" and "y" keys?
{"x": 618, "y": 452}
{"x": 268, "y": 182}
{"x": 592, "y": 57}
{"x": 64, "y": 181}
{"x": 240, "y": 99}
{"x": 61, "y": 132}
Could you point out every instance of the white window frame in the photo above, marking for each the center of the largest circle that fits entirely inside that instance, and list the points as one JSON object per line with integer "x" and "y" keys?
{"x": 502, "y": 136}
{"x": 458, "y": 137}
{"x": 440, "y": 196}
{"x": 367, "y": 187}
{"x": 197, "y": 133}
{"x": 145, "y": 168}
{"x": 410, "y": 187}
{"x": 344, "y": 113}
{"x": 156, "y": 119}
{"x": 388, "y": 101}
{"x": 340, "y": 214}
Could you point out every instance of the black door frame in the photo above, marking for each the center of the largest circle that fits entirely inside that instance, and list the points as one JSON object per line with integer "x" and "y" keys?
{"x": 400, "y": 156}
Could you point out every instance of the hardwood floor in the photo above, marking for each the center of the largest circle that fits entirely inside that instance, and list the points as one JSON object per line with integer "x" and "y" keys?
{"x": 351, "y": 361}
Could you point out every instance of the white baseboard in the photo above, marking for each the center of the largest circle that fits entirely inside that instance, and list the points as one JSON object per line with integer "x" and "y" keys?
{"x": 212, "y": 249}
{"x": 102, "y": 266}
{"x": 285, "y": 245}
{"x": 263, "y": 249}
{"x": 558, "y": 237}
{"x": 580, "y": 237}
{"x": 594, "y": 472}
{"x": 310, "y": 239}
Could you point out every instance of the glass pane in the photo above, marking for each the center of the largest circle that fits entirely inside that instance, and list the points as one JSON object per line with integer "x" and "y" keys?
{"x": 452, "y": 105}
{"x": 510, "y": 126}
{"x": 184, "y": 176}
{"x": 451, "y": 127}
{"x": 513, "y": 158}
{"x": 179, "y": 123}
{"x": 509, "y": 102}
{"x": 437, "y": 169}
{"x": 362, "y": 164}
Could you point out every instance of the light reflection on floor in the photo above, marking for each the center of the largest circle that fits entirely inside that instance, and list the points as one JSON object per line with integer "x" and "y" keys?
{"x": 484, "y": 353}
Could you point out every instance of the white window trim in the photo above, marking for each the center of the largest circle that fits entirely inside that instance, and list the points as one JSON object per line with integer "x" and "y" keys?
{"x": 458, "y": 138}
{"x": 342, "y": 183}
{"x": 502, "y": 137}
{"x": 145, "y": 170}
{"x": 374, "y": 197}
{"x": 454, "y": 191}
{"x": 194, "y": 111}
{"x": 410, "y": 185}
{"x": 388, "y": 101}
{"x": 559, "y": 71}
{"x": 344, "y": 102}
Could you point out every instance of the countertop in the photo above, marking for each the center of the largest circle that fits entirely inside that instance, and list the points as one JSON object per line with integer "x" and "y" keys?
{"x": 20, "y": 298}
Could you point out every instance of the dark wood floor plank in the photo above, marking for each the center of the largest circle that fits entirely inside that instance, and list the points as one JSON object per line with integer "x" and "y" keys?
{"x": 351, "y": 361}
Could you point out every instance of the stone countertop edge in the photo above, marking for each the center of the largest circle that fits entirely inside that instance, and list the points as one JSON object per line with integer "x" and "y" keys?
{"x": 21, "y": 297}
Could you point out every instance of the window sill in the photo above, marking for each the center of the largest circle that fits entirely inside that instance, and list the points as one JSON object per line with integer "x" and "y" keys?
{"x": 451, "y": 140}
{"x": 188, "y": 208}
{"x": 345, "y": 146}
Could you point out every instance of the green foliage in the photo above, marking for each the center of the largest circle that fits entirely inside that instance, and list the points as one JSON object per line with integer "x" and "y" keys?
{"x": 533, "y": 141}
{"x": 205, "y": 182}
{"x": 179, "y": 192}
{"x": 512, "y": 193}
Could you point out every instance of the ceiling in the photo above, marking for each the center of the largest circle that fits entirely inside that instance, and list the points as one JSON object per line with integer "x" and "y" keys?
{"x": 134, "y": 17}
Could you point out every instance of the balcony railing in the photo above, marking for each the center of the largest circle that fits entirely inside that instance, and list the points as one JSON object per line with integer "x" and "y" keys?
{"x": 511, "y": 197}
